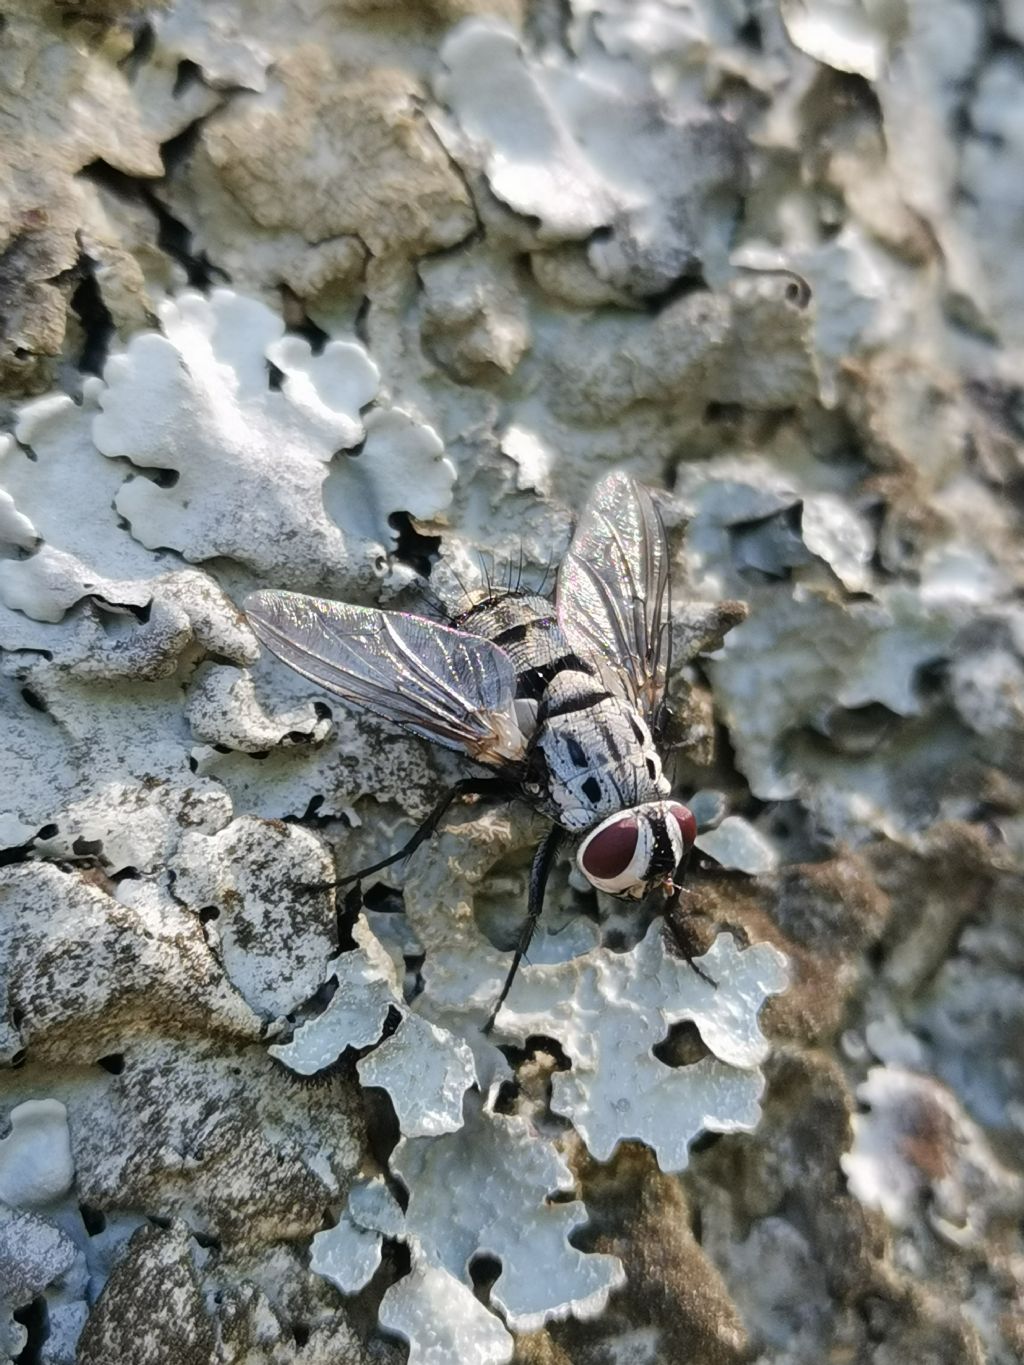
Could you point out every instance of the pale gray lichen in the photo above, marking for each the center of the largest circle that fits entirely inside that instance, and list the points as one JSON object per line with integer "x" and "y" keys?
{"x": 916, "y": 1153}
{"x": 851, "y": 37}
{"x": 609, "y": 1011}
{"x": 500, "y": 1165}
{"x": 474, "y": 320}
{"x": 425, "y": 1070}
{"x": 34, "y": 1255}
{"x": 815, "y": 655}
{"x": 197, "y": 401}
{"x": 225, "y": 710}
{"x": 442, "y": 1320}
{"x": 736, "y": 843}
{"x": 60, "y": 494}
{"x": 506, "y": 1166}
{"x": 349, "y": 1253}
{"x": 552, "y": 148}
{"x": 36, "y": 1168}
{"x": 332, "y": 757}
{"x": 36, "y": 1172}
{"x": 96, "y": 782}
{"x": 366, "y": 991}
{"x": 216, "y": 40}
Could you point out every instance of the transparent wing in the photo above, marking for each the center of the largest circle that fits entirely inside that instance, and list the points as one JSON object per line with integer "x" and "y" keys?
{"x": 613, "y": 592}
{"x": 455, "y": 689}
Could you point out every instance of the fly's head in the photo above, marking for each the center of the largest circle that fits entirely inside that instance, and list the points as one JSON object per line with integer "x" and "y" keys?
{"x": 636, "y": 850}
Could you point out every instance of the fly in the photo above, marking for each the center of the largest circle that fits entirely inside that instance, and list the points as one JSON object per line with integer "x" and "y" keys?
{"x": 561, "y": 705}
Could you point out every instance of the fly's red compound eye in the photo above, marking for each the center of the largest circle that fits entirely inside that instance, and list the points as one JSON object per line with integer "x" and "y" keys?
{"x": 683, "y": 817}
{"x": 611, "y": 850}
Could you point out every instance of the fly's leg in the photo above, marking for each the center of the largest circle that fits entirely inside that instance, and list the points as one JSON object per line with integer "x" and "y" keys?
{"x": 346, "y": 912}
{"x": 543, "y": 861}
{"x": 467, "y": 786}
{"x": 675, "y": 919}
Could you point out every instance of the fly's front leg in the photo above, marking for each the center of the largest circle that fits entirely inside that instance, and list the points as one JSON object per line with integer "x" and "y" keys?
{"x": 468, "y": 786}
{"x": 543, "y": 861}
{"x": 675, "y": 921}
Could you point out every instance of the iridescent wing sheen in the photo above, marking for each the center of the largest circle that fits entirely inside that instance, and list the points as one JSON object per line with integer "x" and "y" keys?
{"x": 450, "y": 687}
{"x": 613, "y": 592}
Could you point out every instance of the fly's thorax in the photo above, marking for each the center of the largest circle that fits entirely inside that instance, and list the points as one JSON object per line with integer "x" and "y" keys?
{"x": 634, "y": 850}
{"x": 591, "y": 755}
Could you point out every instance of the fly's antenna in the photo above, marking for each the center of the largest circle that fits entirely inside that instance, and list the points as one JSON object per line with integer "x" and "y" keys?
{"x": 519, "y": 575}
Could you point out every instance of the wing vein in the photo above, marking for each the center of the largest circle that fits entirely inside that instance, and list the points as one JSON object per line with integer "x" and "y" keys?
{"x": 613, "y": 590}
{"x": 454, "y": 688}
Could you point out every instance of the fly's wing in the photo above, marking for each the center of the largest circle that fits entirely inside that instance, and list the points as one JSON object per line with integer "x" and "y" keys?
{"x": 455, "y": 689}
{"x": 613, "y": 592}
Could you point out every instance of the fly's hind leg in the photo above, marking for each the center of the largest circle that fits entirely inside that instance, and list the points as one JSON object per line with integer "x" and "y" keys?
{"x": 543, "y": 861}
{"x": 467, "y": 786}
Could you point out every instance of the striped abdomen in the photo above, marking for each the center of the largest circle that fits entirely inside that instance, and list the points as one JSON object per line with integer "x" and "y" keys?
{"x": 525, "y": 626}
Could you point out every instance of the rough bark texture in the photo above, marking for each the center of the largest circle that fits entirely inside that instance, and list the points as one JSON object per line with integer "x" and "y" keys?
{"x": 334, "y": 297}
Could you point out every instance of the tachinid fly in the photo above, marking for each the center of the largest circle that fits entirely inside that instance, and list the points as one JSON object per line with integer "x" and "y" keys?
{"x": 563, "y": 705}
